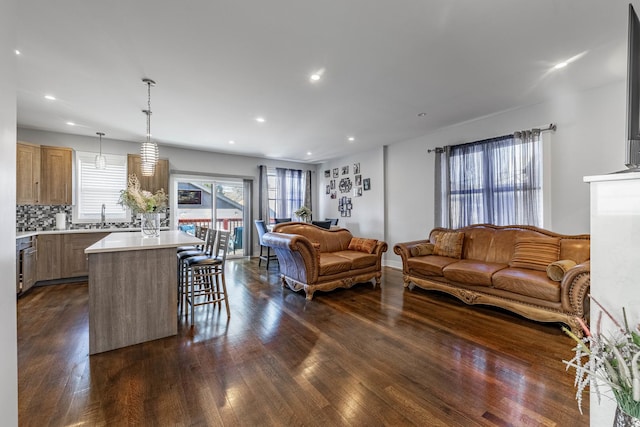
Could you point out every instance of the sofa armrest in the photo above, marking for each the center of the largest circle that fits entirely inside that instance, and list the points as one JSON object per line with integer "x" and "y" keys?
{"x": 404, "y": 250}
{"x": 574, "y": 289}
{"x": 297, "y": 256}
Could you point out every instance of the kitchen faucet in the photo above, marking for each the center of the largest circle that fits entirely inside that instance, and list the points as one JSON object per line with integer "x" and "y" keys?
{"x": 103, "y": 217}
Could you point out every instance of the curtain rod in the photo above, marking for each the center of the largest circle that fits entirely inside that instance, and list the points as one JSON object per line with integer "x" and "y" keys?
{"x": 551, "y": 126}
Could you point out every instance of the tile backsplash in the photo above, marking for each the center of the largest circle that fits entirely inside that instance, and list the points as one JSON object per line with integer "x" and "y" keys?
{"x": 43, "y": 217}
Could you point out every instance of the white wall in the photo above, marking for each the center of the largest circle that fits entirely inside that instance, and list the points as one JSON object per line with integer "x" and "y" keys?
{"x": 8, "y": 332}
{"x": 367, "y": 215}
{"x": 589, "y": 141}
{"x": 181, "y": 160}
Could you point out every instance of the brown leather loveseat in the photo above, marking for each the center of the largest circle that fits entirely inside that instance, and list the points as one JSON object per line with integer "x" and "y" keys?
{"x": 536, "y": 273}
{"x": 314, "y": 258}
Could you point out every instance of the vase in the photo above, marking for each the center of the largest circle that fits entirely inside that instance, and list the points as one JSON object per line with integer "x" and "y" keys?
{"x": 622, "y": 419}
{"x": 150, "y": 224}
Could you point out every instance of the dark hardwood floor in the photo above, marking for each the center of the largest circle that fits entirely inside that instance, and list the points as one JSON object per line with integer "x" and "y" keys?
{"x": 360, "y": 356}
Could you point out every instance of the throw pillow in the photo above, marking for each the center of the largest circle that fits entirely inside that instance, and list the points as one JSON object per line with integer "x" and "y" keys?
{"x": 535, "y": 253}
{"x": 422, "y": 249}
{"x": 449, "y": 244}
{"x": 362, "y": 245}
{"x": 557, "y": 270}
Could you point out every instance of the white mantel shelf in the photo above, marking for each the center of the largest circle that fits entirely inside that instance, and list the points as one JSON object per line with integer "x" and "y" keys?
{"x": 121, "y": 242}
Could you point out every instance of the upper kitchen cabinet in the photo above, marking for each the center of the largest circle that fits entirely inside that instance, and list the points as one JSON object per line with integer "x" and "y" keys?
{"x": 150, "y": 183}
{"x": 28, "y": 174}
{"x": 44, "y": 175}
{"x": 56, "y": 176}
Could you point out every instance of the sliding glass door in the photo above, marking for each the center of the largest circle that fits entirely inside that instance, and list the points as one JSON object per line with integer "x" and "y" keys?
{"x": 221, "y": 203}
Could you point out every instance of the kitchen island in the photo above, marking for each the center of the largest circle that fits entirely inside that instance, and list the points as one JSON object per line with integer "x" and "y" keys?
{"x": 133, "y": 288}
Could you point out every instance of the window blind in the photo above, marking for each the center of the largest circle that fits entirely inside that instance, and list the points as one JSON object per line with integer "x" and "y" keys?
{"x": 96, "y": 187}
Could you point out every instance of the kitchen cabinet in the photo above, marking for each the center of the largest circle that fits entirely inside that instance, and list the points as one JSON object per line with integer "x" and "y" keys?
{"x": 28, "y": 174}
{"x": 49, "y": 263}
{"x": 160, "y": 180}
{"x": 26, "y": 254}
{"x": 61, "y": 256}
{"x": 74, "y": 261}
{"x": 56, "y": 175}
{"x": 44, "y": 175}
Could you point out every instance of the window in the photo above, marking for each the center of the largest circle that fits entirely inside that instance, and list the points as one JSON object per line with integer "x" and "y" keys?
{"x": 96, "y": 187}
{"x": 496, "y": 181}
{"x": 286, "y": 192}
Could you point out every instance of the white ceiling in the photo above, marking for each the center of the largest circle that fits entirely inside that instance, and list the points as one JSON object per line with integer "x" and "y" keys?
{"x": 220, "y": 64}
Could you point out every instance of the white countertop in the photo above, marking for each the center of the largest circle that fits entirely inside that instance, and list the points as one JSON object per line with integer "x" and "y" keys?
{"x": 121, "y": 242}
{"x": 20, "y": 234}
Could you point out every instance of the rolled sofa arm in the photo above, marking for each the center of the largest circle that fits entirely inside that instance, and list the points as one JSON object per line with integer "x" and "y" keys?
{"x": 574, "y": 289}
{"x": 297, "y": 256}
{"x": 404, "y": 250}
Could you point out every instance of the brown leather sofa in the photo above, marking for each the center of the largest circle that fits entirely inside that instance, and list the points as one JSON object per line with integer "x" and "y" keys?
{"x": 314, "y": 258}
{"x": 509, "y": 267}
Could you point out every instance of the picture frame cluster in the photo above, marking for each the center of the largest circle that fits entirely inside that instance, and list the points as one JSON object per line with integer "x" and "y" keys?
{"x": 344, "y": 180}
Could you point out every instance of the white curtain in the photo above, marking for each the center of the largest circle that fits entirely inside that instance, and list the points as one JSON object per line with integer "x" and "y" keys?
{"x": 496, "y": 181}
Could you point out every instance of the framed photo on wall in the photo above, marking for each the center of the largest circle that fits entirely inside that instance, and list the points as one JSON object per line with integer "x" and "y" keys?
{"x": 358, "y": 179}
{"x": 366, "y": 184}
{"x": 356, "y": 168}
{"x": 345, "y": 170}
{"x": 335, "y": 172}
{"x": 327, "y": 173}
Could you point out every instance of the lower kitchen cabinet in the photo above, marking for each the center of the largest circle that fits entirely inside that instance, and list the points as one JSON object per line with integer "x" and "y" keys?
{"x": 61, "y": 256}
{"x": 48, "y": 266}
{"x": 74, "y": 262}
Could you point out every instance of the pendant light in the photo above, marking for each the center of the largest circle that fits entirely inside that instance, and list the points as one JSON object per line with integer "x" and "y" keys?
{"x": 148, "y": 149}
{"x": 101, "y": 161}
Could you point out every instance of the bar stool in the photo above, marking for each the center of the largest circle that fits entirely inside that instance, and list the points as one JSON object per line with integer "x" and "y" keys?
{"x": 206, "y": 249}
{"x": 205, "y": 281}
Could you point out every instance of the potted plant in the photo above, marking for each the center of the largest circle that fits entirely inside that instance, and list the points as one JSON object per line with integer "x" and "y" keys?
{"x": 612, "y": 360}
{"x": 145, "y": 203}
{"x": 304, "y": 213}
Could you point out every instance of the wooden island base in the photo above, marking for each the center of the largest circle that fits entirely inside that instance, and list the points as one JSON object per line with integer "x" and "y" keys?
{"x": 132, "y": 289}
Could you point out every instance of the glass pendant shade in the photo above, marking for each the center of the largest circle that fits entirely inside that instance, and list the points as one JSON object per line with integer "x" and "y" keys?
{"x": 101, "y": 161}
{"x": 148, "y": 149}
{"x": 148, "y": 158}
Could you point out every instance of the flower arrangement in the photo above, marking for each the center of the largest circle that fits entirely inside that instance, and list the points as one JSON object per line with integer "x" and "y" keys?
{"x": 611, "y": 360}
{"x": 303, "y": 213}
{"x": 142, "y": 201}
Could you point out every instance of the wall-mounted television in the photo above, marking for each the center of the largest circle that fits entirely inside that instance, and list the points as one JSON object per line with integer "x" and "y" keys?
{"x": 632, "y": 160}
{"x": 189, "y": 197}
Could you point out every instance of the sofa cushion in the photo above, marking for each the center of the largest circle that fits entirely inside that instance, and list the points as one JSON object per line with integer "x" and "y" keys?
{"x": 332, "y": 264}
{"x": 532, "y": 283}
{"x": 557, "y": 270}
{"x": 449, "y": 244}
{"x": 422, "y": 249}
{"x": 430, "y": 265}
{"x": 472, "y": 272}
{"x": 535, "y": 253}
{"x": 358, "y": 259}
{"x": 362, "y": 245}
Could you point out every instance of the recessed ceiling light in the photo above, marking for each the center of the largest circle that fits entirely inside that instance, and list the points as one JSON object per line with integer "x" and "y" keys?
{"x": 309, "y": 153}
{"x": 422, "y": 114}
{"x": 560, "y": 65}
{"x": 50, "y": 97}
{"x": 316, "y": 76}
{"x": 71, "y": 123}
{"x": 260, "y": 119}
{"x": 17, "y": 52}
{"x": 351, "y": 139}
{"x": 232, "y": 142}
